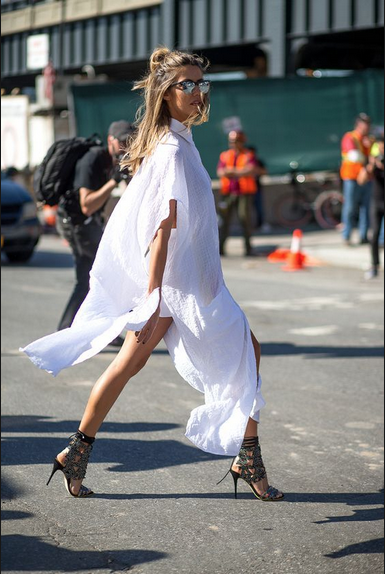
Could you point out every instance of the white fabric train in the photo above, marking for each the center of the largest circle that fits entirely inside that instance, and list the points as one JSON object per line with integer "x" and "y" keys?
{"x": 209, "y": 340}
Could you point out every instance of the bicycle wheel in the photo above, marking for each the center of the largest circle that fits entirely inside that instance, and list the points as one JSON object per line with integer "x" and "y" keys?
{"x": 293, "y": 212}
{"x": 328, "y": 209}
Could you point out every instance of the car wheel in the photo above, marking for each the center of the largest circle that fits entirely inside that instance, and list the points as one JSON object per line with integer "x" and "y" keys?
{"x": 19, "y": 256}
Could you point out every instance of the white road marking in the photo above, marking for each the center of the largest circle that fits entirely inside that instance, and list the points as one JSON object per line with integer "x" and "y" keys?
{"x": 372, "y": 297}
{"x": 369, "y": 454}
{"x": 371, "y": 326}
{"x": 309, "y": 304}
{"x": 13, "y": 353}
{"x": 80, "y": 383}
{"x": 360, "y": 425}
{"x": 315, "y": 331}
{"x": 374, "y": 466}
{"x": 40, "y": 290}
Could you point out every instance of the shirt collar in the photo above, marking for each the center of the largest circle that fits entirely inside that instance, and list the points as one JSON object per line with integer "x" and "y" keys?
{"x": 181, "y": 130}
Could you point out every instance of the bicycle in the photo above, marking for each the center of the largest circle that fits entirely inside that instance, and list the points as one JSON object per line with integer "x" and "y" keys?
{"x": 310, "y": 198}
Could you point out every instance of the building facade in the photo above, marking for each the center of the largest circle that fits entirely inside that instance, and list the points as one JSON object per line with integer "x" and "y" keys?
{"x": 262, "y": 37}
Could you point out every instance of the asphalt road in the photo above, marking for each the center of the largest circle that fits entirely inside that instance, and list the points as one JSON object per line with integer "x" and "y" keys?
{"x": 158, "y": 509}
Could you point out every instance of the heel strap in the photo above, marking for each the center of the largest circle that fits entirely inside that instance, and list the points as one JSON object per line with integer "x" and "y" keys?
{"x": 250, "y": 442}
{"x": 250, "y": 461}
{"x": 78, "y": 454}
{"x": 83, "y": 437}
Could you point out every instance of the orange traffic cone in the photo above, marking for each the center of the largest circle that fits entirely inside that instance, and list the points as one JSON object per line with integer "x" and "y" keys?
{"x": 295, "y": 259}
{"x": 279, "y": 255}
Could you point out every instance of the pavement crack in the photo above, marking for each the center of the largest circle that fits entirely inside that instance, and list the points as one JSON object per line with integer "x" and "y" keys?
{"x": 53, "y": 533}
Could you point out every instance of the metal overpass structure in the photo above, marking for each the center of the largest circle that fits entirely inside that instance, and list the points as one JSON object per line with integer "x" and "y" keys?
{"x": 263, "y": 37}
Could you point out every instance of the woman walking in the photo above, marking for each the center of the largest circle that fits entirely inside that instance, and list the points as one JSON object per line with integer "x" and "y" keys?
{"x": 158, "y": 274}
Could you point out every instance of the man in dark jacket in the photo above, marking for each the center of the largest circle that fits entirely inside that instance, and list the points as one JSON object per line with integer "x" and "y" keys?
{"x": 79, "y": 216}
{"x": 376, "y": 168}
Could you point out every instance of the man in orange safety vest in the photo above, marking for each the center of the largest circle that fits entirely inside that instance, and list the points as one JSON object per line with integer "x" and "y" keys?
{"x": 237, "y": 169}
{"x": 355, "y": 147}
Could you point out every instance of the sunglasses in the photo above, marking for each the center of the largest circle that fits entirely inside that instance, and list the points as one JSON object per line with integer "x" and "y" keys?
{"x": 188, "y": 86}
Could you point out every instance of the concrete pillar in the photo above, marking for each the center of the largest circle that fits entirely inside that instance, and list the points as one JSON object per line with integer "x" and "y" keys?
{"x": 275, "y": 31}
{"x": 168, "y": 36}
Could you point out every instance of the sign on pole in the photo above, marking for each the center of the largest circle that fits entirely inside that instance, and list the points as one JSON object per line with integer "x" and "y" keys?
{"x": 14, "y": 132}
{"x": 37, "y": 51}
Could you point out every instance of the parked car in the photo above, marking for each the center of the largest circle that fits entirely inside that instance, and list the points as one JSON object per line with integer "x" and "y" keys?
{"x": 20, "y": 226}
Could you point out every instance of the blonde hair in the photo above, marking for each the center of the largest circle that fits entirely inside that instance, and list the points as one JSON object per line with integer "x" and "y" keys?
{"x": 153, "y": 117}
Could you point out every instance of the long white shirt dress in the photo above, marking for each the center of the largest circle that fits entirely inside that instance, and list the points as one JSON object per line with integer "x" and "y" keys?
{"x": 209, "y": 340}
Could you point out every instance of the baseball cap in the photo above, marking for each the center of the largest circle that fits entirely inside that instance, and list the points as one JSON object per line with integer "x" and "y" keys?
{"x": 364, "y": 118}
{"x": 121, "y": 130}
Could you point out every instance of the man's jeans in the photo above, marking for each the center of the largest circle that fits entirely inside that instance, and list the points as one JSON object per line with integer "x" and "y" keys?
{"x": 84, "y": 241}
{"x": 377, "y": 213}
{"x": 243, "y": 205}
{"x": 356, "y": 204}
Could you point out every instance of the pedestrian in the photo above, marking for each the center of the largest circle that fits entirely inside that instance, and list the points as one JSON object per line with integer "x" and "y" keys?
{"x": 357, "y": 186}
{"x": 10, "y": 173}
{"x": 376, "y": 168}
{"x": 158, "y": 272}
{"x": 259, "y": 203}
{"x": 80, "y": 214}
{"x": 237, "y": 170}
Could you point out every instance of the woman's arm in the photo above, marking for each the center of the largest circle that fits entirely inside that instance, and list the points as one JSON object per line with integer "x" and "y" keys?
{"x": 159, "y": 250}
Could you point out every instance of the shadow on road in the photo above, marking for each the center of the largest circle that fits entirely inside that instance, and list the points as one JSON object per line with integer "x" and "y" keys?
{"x": 113, "y": 350}
{"x": 14, "y": 515}
{"x": 369, "y": 547}
{"x": 321, "y": 352}
{"x": 360, "y": 514}
{"x": 44, "y": 259}
{"x": 36, "y": 424}
{"x": 9, "y": 491}
{"x": 32, "y": 554}
{"x": 121, "y": 455}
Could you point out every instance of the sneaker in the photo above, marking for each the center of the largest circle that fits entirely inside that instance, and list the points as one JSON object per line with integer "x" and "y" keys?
{"x": 371, "y": 274}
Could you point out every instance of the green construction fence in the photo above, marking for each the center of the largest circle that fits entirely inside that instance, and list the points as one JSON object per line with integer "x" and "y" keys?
{"x": 291, "y": 119}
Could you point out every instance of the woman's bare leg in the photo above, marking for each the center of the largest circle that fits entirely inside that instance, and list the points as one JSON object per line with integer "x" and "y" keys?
{"x": 252, "y": 425}
{"x": 131, "y": 359}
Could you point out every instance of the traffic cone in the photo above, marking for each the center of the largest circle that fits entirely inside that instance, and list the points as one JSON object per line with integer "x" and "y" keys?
{"x": 295, "y": 259}
{"x": 279, "y": 255}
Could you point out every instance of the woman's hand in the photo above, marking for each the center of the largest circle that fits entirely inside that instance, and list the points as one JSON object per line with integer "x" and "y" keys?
{"x": 148, "y": 330}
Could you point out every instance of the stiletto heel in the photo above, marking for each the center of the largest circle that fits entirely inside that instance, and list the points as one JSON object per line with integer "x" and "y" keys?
{"x": 235, "y": 476}
{"x": 252, "y": 470}
{"x": 77, "y": 456}
{"x": 56, "y": 466}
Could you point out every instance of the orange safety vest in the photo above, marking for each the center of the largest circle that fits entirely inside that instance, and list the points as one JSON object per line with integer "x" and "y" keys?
{"x": 247, "y": 185}
{"x": 351, "y": 169}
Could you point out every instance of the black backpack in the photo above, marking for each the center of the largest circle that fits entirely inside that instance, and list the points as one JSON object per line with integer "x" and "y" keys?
{"x": 53, "y": 177}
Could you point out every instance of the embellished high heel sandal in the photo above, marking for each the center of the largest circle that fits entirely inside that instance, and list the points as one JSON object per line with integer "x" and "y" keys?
{"x": 252, "y": 470}
{"x": 77, "y": 454}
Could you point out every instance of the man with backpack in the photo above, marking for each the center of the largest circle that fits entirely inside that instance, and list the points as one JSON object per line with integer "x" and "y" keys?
{"x": 79, "y": 216}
